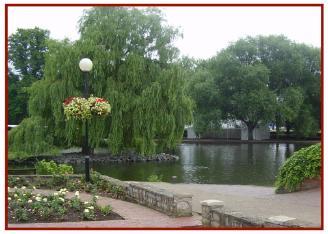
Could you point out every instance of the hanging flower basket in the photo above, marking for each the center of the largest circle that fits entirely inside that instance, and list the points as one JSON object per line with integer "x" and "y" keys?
{"x": 81, "y": 108}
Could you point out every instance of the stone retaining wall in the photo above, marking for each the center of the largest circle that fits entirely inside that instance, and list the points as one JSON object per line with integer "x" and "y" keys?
{"x": 215, "y": 215}
{"x": 78, "y": 158}
{"x": 172, "y": 204}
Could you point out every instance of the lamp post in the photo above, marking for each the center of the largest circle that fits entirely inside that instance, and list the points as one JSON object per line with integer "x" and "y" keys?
{"x": 86, "y": 66}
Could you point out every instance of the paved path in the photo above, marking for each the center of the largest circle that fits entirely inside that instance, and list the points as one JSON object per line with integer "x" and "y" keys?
{"x": 254, "y": 200}
{"x": 135, "y": 216}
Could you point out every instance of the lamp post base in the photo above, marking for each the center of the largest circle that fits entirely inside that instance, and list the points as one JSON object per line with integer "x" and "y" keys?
{"x": 87, "y": 168}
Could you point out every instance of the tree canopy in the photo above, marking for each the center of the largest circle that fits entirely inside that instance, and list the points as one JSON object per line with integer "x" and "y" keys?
{"x": 26, "y": 55}
{"x": 262, "y": 79}
{"x": 133, "y": 67}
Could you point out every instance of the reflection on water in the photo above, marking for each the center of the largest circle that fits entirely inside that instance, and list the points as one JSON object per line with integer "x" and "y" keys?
{"x": 255, "y": 164}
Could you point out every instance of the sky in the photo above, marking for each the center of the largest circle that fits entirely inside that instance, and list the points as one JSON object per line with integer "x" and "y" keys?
{"x": 206, "y": 30}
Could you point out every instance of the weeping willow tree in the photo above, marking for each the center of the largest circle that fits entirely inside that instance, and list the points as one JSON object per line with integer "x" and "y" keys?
{"x": 133, "y": 67}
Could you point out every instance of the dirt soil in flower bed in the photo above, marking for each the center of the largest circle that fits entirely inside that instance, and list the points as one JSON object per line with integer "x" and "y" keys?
{"x": 71, "y": 216}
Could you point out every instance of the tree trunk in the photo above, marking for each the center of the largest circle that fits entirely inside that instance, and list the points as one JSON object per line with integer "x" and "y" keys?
{"x": 250, "y": 133}
{"x": 277, "y": 130}
{"x": 288, "y": 127}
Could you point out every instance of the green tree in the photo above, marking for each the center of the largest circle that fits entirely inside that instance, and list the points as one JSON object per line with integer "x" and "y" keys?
{"x": 293, "y": 67}
{"x": 204, "y": 92}
{"x": 243, "y": 85}
{"x": 26, "y": 58}
{"x": 311, "y": 87}
{"x": 134, "y": 68}
{"x": 288, "y": 107}
{"x": 15, "y": 98}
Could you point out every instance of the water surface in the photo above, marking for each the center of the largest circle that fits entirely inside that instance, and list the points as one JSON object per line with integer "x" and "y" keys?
{"x": 251, "y": 164}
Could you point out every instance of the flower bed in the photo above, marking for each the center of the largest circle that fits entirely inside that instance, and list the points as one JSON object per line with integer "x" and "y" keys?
{"x": 55, "y": 182}
{"x": 25, "y": 207}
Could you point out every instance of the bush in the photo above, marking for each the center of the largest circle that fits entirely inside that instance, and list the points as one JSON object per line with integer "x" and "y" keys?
{"x": 303, "y": 164}
{"x": 51, "y": 168}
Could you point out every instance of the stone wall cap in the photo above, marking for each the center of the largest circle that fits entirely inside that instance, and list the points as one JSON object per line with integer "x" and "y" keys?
{"x": 183, "y": 195}
{"x": 212, "y": 203}
{"x": 281, "y": 219}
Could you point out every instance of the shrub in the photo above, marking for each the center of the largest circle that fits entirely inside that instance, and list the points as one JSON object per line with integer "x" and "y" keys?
{"x": 51, "y": 168}
{"x": 303, "y": 164}
{"x": 105, "y": 210}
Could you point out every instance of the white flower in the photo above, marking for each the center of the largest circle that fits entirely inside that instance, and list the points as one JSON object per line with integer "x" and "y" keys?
{"x": 45, "y": 199}
{"x": 62, "y": 192}
{"x": 86, "y": 210}
{"x": 30, "y": 201}
{"x": 61, "y": 199}
{"x": 34, "y": 187}
{"x": 38, "y": 198}
{"x": 85, "y": 203}
{"x": 19, "y": 199}
{"x": 15, "y": 187}
{"x": 17, "y": 178}
{"x": 77, "y": 193}
{"x": 55, "y": 194}
{"x": 97, "y": 197}
{"x": 24, "y": 194}
{"x": 8, "y": 188}
{"x": 33, "y": 196}
{"x": 15, "y": 195}
{"x": 91, "y": 208}
{"x": 23, "y": 187}
{"x": 9, "y": 198}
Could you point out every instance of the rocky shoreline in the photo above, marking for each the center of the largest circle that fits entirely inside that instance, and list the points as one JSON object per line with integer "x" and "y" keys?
{"x": 77, "y": 158}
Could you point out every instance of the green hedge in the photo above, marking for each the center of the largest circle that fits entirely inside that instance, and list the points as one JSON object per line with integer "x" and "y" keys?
{"x": 51, "y": 168}
{"x": 303, "y": 164}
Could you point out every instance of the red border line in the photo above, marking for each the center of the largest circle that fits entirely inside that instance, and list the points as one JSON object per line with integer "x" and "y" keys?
{"x": 168, "y": 4}
{"x": 163, "y": 5}
{"x": 6, "y": 117}
{"x": 322, "y": 114}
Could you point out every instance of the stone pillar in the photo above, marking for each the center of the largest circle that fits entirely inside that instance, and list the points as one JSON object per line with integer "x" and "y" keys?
{"x": 207, "y": 208}
{"x": 183, "y": 205}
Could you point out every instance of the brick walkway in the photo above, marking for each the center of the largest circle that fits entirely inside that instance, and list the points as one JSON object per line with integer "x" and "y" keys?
{"x": 135, "y": 216}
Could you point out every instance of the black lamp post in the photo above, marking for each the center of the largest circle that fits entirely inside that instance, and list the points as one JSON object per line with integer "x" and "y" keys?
{"x": 86, "y": 66}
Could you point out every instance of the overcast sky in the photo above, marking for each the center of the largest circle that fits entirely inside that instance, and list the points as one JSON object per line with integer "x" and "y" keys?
{"x": 206, "y": 30}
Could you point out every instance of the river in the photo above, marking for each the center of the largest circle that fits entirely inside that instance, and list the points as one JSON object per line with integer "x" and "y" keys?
{"x": 251, "y": 164}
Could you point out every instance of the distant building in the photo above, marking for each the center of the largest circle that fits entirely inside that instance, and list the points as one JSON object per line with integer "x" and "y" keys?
{"x": 235, "y": 130}
{"x": 189, "y": 132}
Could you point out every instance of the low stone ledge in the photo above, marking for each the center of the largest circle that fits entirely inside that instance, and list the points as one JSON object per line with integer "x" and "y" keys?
{"x": 114, "y": 181}
{"x": 172, "y": 204}
{"x": 214, "y": 214}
